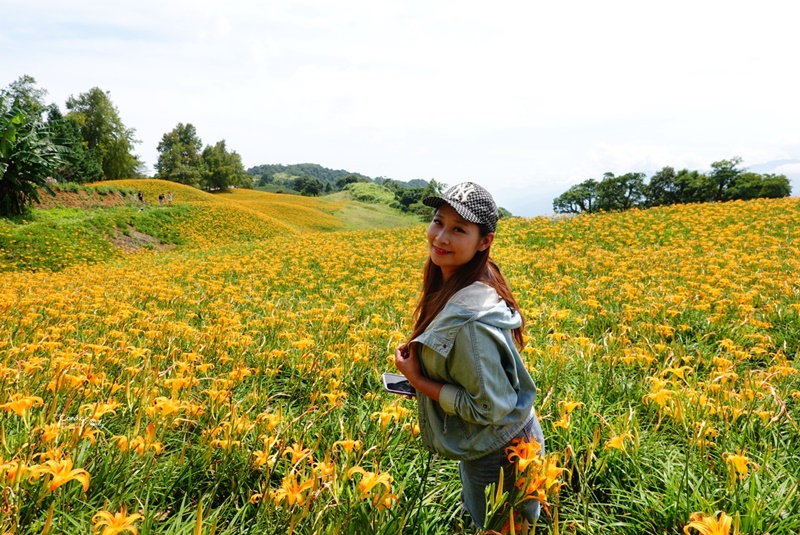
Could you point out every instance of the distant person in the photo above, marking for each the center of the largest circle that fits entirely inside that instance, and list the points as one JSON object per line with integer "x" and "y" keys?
{"x": 474, "y": 395}
{"x": 140, "y": 197}
{"x": 169, "y": 198}
{"x": 161, "y": 199}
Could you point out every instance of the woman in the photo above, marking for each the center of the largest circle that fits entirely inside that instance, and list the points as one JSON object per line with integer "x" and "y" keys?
{"x": 474, "y": 394}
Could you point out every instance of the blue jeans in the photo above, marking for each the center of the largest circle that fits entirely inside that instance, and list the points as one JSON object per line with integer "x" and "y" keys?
{"x": 478, "y": 473}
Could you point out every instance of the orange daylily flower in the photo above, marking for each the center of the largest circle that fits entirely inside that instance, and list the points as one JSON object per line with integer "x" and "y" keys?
{"x": 618, "y": 442}
{"x": 62, "y": 472}
{"x": 349, "y": 445}
{"x": 114, "y": 523}
{"x": 291, "y": 491}
{"x": 369, "y": 480}
{"x": 708, "y": 525}
{"x": 21, "y": 403}
{"x": 524, "y": 452}
{"x": 297, "y": 451}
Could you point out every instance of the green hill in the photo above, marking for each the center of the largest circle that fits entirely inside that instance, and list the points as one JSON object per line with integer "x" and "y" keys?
{"x": 84, "y": 225}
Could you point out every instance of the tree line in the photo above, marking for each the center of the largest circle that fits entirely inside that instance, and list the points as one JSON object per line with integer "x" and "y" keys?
{"x": 88, "y": 142}
{"x": 40, "y": 144}
{"x": 726, "y": 181}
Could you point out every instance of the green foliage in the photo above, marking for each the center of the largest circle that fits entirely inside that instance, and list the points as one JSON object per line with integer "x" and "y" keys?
{"x": 108, "y": 140}
{"x": 28, "y": 97}
{"x": 223, "y": 169}
{"x": 370, "y": 193}
{"x": 723, "y": 175}
{"x": 27, "y": 157}
{"x": 579, "y": 198}
{"x": 79, "y": 164}
{"x": 308, "y": 186}
{"x": 268, "y": 173}
{"x": 725, "y": 182}
{"x": 179, "y": 156}
{"x": 342, "y": 182}
{"x": 104, "y": 189}
{"x": 620, "y": 192}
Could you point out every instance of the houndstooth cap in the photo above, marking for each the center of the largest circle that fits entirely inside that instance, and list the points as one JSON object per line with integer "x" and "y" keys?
{"x": 472, "y": 202}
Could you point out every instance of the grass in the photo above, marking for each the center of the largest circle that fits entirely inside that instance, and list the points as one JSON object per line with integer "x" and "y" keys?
{"x": 364, "y": 216}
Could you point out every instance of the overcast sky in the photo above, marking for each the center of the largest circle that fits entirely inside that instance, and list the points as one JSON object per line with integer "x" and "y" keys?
{"x": 524, "y": 97}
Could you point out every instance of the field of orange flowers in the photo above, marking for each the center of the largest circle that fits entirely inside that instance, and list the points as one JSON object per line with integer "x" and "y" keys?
{"x": 232, "y": 384}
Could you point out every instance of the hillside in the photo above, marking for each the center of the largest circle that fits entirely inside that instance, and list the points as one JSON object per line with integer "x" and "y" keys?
{"x": 79, "y": 226}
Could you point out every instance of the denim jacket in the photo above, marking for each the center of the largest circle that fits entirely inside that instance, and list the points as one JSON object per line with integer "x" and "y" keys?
{"x": 488, "y": 394}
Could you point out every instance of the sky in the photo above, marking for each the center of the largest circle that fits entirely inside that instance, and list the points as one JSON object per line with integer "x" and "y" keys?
{"x": 526, "y": 98}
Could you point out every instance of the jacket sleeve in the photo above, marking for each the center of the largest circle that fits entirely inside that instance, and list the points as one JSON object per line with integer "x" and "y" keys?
{"x": 485, "y": 384}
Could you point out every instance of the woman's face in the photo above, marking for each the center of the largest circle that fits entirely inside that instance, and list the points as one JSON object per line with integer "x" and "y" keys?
{"x": 453, "y": 241}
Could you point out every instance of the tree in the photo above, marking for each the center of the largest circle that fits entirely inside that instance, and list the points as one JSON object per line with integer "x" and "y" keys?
{"x": 775, "y": 186}
{"x": 579, "y": 198}
{"x": 308, "y": 186}
{"x": 27, "y": 157}
{"x": 693, "y": 186}
{"x": 28, "y": 97}
{"x": 223, "y": 169}
{"x": 661, "y": 190}
{"x": 432, "y": 189}
{"x": 620, "y": 192}
{"x": 343, "y": 181}
{"x": 723, "y": 175}
{"x": 78, "y": 164}
{"x": 179, "y": 156}
{"x": 754, "y": 186}
{"x": 107, "y": 138}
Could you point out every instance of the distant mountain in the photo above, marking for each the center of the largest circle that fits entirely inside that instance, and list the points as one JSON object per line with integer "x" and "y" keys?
{"x": 782, "y": 167}
{"x": 303, "y": 169}
{"x": 324, "y": 174}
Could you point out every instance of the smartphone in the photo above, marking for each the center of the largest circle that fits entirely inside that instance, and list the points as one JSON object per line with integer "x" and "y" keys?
{"x": 398, "y": 384}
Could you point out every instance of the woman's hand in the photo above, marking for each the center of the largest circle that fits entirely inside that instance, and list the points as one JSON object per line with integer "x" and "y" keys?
{"x": 407, "y": 362}
{"x": 405, "y": 358}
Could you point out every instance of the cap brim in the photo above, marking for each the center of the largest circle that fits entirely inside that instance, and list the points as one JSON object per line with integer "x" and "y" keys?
{"x": 433, "y": 201}
{"x": 463, "y": 211}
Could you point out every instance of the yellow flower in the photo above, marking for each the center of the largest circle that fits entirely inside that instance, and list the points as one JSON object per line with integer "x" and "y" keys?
{"x": 563, "y": 422}
{"x": 369, "y": 480}
{"x": 738, "y": 466}
{"x": 569, "y": 406}
{"x": 62, "y": 472}
{"x": 618, "y": 442}
{"x": 524, "y": 452}
{"x": 541, "y": 479}
{"x": 115, "y": 523}
{"x": 94, "y": 411}
{"x": 708, "y": 525}
{"x": 324, "y": 469}
{"x": 384, "y": 416}
{"x": 291, "y": 491}
{"x": 349, "y": 445}
{"x": 19, "y": 404}
{"x": 659, "y": 397}
{"x": 297, "y": 451}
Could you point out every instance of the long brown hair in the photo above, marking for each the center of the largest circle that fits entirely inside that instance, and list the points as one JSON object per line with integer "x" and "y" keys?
{"x": 436, "y": 292}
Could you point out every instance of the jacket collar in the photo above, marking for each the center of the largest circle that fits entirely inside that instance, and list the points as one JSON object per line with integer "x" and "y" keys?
{"x": 476, "y": 302}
